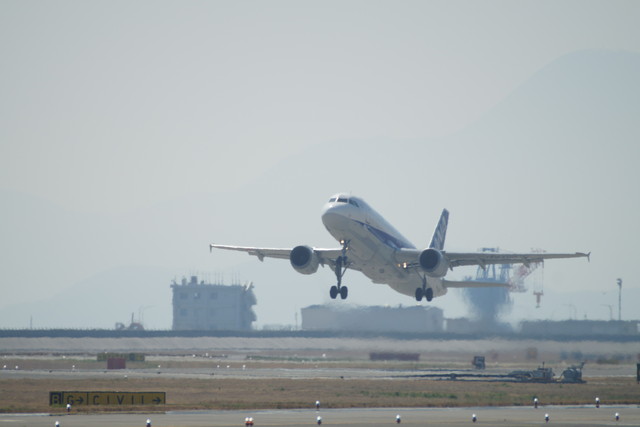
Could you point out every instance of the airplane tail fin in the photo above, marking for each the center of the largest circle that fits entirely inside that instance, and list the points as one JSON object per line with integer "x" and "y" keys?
{"x": 440, "y": 233}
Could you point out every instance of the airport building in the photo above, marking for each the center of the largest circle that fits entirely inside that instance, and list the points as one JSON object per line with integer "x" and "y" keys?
{"x": 465, "y": 326}
{"x": 212, "y": 307}
{"x": 544, "y": 328}
{"x": 415, "y": 319}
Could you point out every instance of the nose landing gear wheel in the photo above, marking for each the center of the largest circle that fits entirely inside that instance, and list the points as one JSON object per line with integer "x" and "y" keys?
{"x": 419, "y": 294}
{"x": 341, "y": 266}
{"x": 333, "y": 292}
{"x": 344, "y": 291}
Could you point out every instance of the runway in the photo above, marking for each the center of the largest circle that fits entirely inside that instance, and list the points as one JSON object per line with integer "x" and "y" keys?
{"x": 507, "y": 416}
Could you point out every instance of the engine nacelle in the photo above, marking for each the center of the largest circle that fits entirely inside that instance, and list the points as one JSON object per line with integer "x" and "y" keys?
{"x": 433, "y": 263}
{"x": 304, "y": 260}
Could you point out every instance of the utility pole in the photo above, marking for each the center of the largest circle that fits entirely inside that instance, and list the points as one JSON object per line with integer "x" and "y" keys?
{"x": 619, "y": 299}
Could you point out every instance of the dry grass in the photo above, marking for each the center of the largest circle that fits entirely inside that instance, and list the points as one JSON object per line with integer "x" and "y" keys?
{"x": 32, "y": 395}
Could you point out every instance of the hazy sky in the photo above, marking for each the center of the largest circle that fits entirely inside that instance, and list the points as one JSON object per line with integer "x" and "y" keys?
{"x": 112, "y": 105}
{"x": 115, "y": 106}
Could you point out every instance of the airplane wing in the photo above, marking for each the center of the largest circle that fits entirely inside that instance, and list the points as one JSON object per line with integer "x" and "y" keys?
{"x": 326, "y": 256}
{"x": 261, "y": 253}
{"x": 457, "y": 259}
{"x": 410, "y": 258}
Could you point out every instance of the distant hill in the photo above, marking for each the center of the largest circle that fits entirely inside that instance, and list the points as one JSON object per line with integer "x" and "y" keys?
{"x": 101, "y": 301}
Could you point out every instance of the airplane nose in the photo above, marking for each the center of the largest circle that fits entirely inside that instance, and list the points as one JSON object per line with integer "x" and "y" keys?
{"x": 332, "y": 215}
{"x": 327, "y": 213}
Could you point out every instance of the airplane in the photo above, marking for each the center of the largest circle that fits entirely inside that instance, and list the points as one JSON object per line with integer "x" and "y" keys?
{"x": 371, "y": 245}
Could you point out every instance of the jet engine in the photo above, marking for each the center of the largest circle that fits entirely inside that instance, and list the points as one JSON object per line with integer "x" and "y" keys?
{"x": 304, "y": 260}
{"x": 433, "y": 263}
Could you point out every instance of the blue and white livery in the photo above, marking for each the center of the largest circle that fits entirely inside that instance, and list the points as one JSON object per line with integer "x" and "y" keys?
{"x": 371, "y": 245}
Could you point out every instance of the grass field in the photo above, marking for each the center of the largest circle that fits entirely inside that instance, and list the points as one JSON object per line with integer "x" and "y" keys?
{"x": 31, "y": 395}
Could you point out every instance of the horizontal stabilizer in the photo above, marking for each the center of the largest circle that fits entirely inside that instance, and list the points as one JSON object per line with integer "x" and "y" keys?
{"x": 472, "y": 284}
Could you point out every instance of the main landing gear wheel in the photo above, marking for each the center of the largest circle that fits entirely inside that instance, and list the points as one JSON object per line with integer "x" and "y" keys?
{"x": 424, "y": 291}
{"x": 429, "y": 294}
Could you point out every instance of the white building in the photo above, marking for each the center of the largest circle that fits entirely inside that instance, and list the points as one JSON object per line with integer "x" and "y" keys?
{"x": 416, "y": 319}
{"x": 206, "y": 307}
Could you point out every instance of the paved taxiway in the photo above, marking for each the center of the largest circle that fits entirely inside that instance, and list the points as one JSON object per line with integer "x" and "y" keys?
{"x": 509, "y": 416}
{"x": 250, "y": 370}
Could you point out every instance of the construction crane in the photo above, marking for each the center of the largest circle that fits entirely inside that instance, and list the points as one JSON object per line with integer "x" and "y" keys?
{"x": 514, "y": 275}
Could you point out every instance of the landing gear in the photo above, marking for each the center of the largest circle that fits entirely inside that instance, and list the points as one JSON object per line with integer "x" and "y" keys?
{"x": 424, "y": 291}
{"x": 342, "y": 290}
{"x": 333, "y": 292}
{"x": 341, "y": 268}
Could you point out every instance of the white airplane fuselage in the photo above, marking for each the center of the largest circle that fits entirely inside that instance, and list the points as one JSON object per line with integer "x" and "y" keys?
{"x": 372, "y": 244}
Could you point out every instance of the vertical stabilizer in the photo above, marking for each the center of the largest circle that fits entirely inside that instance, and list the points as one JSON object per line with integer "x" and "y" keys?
{"x": 440, "y": 233}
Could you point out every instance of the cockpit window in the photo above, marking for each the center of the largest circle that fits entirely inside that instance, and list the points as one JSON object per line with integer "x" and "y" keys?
{"x": 342, "y": 199}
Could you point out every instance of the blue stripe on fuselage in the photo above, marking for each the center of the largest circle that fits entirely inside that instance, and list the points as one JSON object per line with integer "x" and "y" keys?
{"x": 386, "y": 238}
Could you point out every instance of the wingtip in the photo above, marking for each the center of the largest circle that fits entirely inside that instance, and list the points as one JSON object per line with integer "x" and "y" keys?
{"x": 587, "y": 255}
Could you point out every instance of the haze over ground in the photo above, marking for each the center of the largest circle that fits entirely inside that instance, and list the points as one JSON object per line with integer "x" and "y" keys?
{"x": 132, "y": 135}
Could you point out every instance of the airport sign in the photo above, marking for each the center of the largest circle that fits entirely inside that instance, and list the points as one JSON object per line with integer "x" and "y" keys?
{"x": 103, "y": 398}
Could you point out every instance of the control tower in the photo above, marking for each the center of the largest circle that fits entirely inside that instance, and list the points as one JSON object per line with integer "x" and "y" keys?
{"x": 212, "y": 307}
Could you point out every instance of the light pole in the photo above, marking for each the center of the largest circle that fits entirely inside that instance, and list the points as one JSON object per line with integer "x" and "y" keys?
{"x": 619, "y": 299}
{"x": 573, "y": 311}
